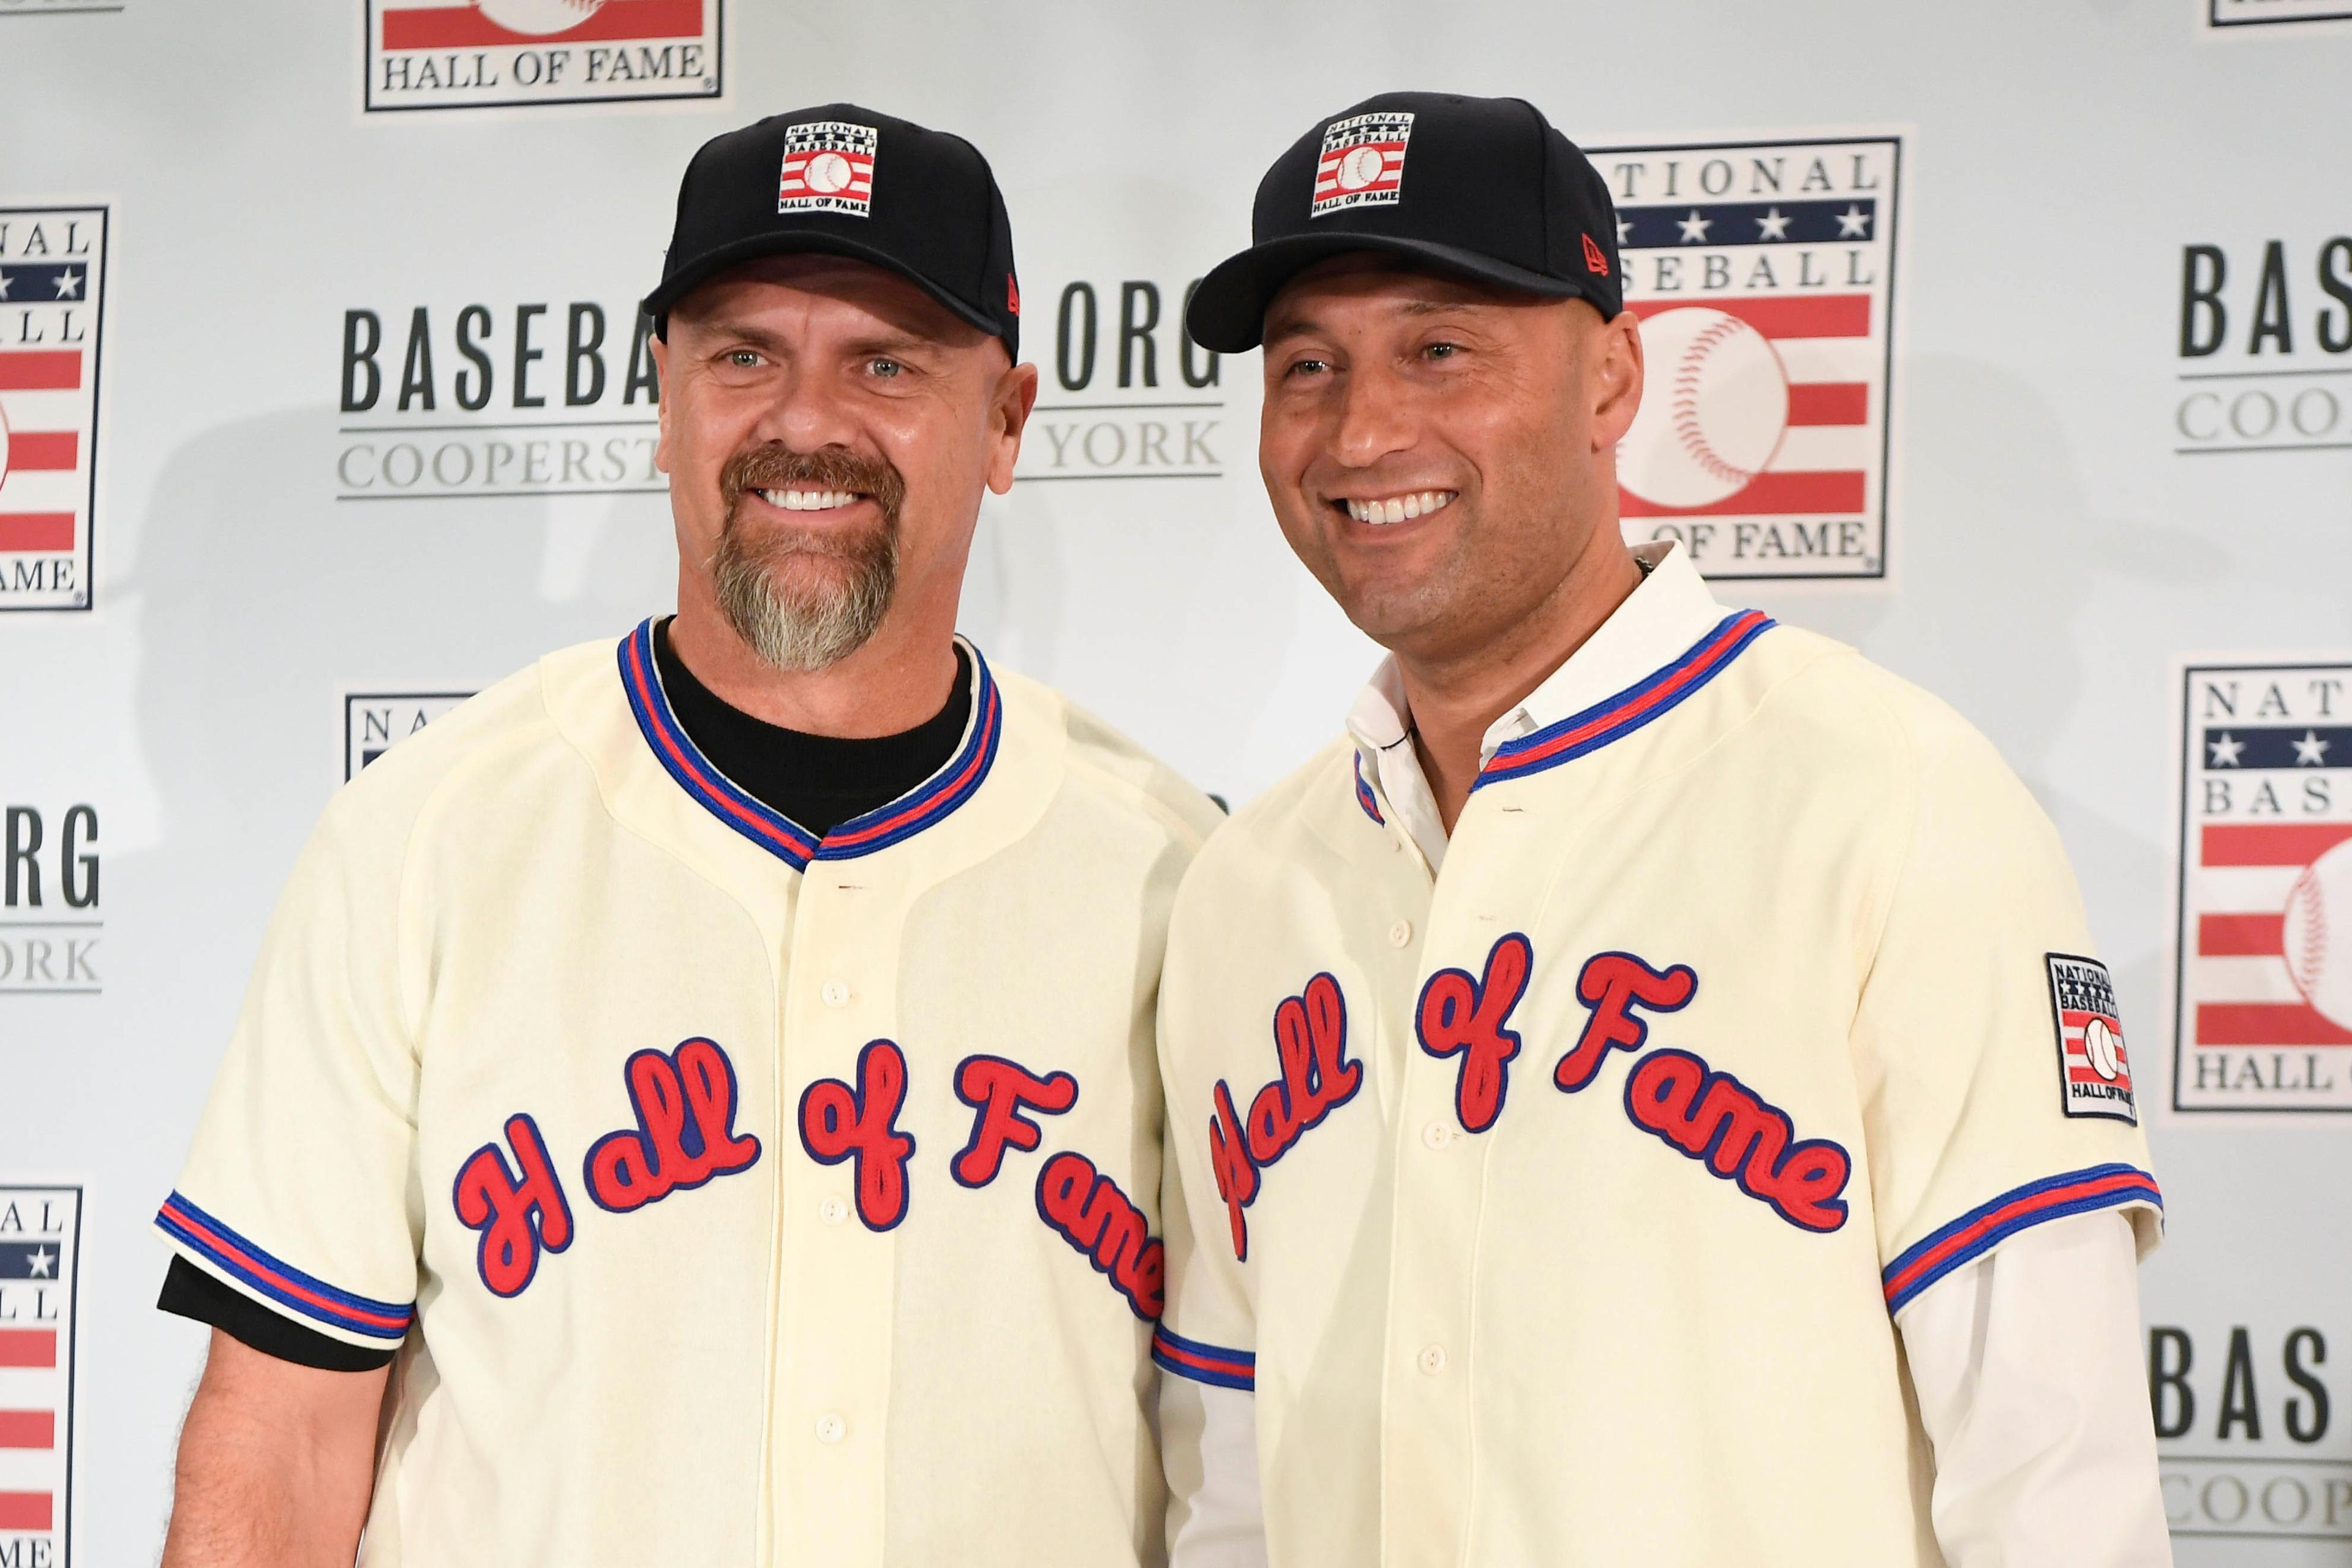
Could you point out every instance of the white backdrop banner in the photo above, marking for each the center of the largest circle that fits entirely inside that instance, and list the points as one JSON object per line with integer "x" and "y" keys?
{"x": 2011, "y": 343}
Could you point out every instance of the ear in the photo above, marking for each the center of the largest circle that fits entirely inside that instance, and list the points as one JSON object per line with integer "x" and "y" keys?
{"x": 1016, "y": 395}
{"x": 1614, "y": 378}
{"x": 660, "y": 347}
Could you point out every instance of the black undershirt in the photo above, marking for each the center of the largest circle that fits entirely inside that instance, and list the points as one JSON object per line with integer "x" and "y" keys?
{"x": 818, "y": 781}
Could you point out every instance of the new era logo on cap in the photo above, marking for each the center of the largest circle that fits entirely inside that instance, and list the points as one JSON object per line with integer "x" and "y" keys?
{"x": 1363, "y": 162}
{"x": 829, "y": 167}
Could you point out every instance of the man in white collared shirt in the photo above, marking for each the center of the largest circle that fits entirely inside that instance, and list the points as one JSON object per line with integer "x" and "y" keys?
{"x": 1643, "y": 1095}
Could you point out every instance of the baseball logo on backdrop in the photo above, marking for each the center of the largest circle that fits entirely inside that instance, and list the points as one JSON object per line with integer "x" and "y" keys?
{"x": 2263, "y": 982}
{"x": 1763, "y": 274}
{"x": 40, "y": 1257}
{"x": 52, "y": 293}
{"x": 473, "y": 53}
{"x": 1361, "y": 164}
{"x": 828, "y": 166}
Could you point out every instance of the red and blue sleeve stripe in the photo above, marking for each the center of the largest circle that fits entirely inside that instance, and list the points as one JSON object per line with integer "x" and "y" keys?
{"x": 1637, "y": 705}
{"x": 302, "y": 1294}
{"x": 1211, "y": 1364}
{"x": 1988, "y": 1224}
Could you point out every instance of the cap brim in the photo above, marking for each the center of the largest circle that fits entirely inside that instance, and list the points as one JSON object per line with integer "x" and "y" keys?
{"x": 1228, "y": 312}
{"x": 789, "y": 242}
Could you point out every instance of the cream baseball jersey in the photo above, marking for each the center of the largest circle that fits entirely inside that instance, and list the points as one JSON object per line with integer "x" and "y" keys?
{"x": 1560, "y": 1207}
{"x": 736, "y": 1195}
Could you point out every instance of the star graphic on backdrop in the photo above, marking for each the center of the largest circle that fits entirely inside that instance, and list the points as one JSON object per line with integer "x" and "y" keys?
{"x": 69, "y": 284}
{"x": 1695, "y": 227}
{"x": 1625, "y": 227}
{"x": 3, "y": 285}
{"x": 1854, "y": 223}
{"x": 1774, "y": 224}
{"x": 2225, "y": 751}
{"x": 42, "y": 1259}
{"x": 2311, "y": 750}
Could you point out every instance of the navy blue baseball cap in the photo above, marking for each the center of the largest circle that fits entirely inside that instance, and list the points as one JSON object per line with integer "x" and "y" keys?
{"x": 844, "y": 181}
{"x": 1480, "y": 187}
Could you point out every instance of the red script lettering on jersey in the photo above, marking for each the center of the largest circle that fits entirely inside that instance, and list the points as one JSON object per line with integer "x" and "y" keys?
{"x": 1609, "y": 983}
{"x": 838, "y": 1122}
{"x": 519, "y": 1209}
{"x": 999, "y": 1090}
{"x": 1089, "y": 1211}
{"x": 1736, "y": 1133}
{"x": 1460, "y": 1015}
{"x": 1310, "y": 1042}
{"x": 685, "y": 1106}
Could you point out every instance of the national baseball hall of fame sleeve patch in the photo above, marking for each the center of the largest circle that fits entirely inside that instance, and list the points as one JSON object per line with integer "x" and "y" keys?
{"x": 2094, "y": 1068}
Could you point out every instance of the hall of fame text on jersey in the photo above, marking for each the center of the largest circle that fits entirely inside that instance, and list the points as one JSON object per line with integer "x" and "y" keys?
{"x": 2262, "y": 977}
{"x": 1763, "y": 274}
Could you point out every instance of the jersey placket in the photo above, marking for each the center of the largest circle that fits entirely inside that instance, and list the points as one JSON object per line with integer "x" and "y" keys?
{"x": 834, "y": 1324}
{"x": 1427, "y": 1454}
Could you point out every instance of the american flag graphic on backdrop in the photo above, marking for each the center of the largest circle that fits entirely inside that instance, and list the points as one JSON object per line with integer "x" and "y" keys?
{"x": 40, "y": 1242}
{"x": 2263, "y": 1019}
{"x": 52, "y": 289}
{"x": 467, "y": 54}
{"x": 1763, "y": 275}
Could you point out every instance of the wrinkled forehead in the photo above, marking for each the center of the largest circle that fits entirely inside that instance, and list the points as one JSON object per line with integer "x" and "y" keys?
{"x": 776, "y": 289}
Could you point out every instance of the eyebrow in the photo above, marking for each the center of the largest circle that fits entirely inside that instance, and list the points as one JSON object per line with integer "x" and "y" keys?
{"x": 1303, "y": 326}
{"x": 889, "y": 343}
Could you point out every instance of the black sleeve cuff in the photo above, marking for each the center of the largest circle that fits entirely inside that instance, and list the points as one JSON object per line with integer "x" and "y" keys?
{"x": 190, "y": 1292}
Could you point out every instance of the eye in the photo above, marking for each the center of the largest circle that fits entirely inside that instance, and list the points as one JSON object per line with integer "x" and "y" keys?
{"x": 743, "y": 359}
{"x": 1443, "y": 351}
{"x": 885, "y": 369}
{"x": 1307, "y": 367}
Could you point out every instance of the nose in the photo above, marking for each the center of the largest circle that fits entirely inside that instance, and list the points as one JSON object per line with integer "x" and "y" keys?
{"x": 809, "y": 410}
{"x": 1375, "y": 418}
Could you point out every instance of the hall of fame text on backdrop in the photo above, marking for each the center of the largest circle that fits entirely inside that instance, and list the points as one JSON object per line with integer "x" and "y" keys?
{"x": 1763, "y": 271}
{"x": 533, "y": 54}
{"x": 40, "y": 1273}
{"x": 52, "y": 319}
{"x": 2260, "y": 981}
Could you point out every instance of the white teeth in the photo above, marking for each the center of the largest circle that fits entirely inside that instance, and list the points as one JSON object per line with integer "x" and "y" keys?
{"x": 808, "y": 500}
{"x": 1396, "y": 509}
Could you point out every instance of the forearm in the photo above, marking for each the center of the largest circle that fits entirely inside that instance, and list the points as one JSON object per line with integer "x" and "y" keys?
{"x": 276, "y": 1464}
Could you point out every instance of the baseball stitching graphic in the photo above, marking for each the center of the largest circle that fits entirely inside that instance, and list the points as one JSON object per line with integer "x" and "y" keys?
{"x": 538, "y": 17}
{"x": 2317, "y": 935}
{"x": 1716, "y": 411}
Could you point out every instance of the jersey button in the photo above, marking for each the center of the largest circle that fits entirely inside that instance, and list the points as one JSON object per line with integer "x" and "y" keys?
{"x": 1400, "y": 934}
{"x": 1437, "y": 1134}
{"x": 831, "y": 1428}
{"x": 836, "y": 992}
{"x": 1432, "y": 1359}
{"x": 833, "y": 1211}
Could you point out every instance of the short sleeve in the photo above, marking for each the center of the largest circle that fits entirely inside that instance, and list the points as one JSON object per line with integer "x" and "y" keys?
{"x": 1208, "y": 1332}
{"x": 300, "y": 1189}
{"x": 1997, "y": 1085}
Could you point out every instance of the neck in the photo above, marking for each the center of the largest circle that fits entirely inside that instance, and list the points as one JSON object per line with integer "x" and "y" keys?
{"x": 1457, "y": 696}
{"x": 900, "y": 678}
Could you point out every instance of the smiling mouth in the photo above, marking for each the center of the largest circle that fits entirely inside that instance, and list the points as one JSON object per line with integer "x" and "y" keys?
{"x": 810, "y": 500}
{"x": 1383, "y": 509}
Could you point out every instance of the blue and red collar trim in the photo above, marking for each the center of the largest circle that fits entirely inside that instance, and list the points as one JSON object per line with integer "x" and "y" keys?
{"x": 1620, "y": 715}
{"x": 772, "y": 830}
{"x": 1364, "y": 796}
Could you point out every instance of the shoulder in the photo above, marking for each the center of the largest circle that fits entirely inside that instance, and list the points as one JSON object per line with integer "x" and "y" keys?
{"x": 481, "y": 748}
{"x": 1857, "y": 710}
{"x": 1102, "y": 762}
{"x": 1293, "y": 823}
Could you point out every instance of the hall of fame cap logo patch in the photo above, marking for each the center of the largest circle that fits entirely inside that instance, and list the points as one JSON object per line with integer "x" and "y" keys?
{"x": 1361, "y": 164}
{"x": 2094, "y": 1070}
{"x": 1763, "y": 274}
{"x": 828, "y": 168}
{"x": 2263, "y": 981}
{"x": 376, "y": 721}
{"x": 40, "y": 1252}
{"x": 52, "y": 304}
{"x": 475, "y": 53}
